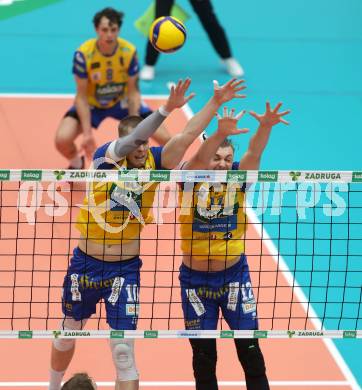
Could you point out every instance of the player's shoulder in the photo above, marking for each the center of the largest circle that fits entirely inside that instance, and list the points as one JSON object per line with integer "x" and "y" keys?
{"x": 88, "y": 46}
{"x": 125, "y": 46}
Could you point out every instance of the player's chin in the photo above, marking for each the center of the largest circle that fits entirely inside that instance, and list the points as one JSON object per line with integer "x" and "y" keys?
{"x": 139, "y": 163}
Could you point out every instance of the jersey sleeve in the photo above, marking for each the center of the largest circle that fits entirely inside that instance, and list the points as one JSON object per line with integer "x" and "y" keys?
{"x": 134, "y": 66}
{"x": 79, "y": 65}
{"x": 99, "y": 154}
{"x": 157, "y": 152}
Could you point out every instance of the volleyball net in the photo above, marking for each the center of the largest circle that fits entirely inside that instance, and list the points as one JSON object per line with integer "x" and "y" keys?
{"x": 303, "y": 242}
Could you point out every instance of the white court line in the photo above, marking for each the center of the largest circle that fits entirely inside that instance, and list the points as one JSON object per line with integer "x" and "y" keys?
{"x": 267, "y": 241}
{"x": 192, "y": 384}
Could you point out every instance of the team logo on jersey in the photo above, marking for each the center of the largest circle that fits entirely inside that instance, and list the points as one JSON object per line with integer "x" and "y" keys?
{"x": 95, "y": 65}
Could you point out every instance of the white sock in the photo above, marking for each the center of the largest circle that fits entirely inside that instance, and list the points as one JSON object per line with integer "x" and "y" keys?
{"x": 56, "y": 378}
{"x": 76, "y": 162}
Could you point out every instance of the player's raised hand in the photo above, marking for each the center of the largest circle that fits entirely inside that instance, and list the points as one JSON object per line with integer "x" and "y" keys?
{"x": 228, "y": 91}
{"x": 227, "y": 123}
{"x": 271, "y": 117}
{"x": 177, "y": 96}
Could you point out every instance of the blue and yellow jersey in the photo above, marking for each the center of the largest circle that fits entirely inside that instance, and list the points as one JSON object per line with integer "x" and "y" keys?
{"x": 107, "y": 75}
{"x": 115, "y": 213}
{"x": 212, "y": 220}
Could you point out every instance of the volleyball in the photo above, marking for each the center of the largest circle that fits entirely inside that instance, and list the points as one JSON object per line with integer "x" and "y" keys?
{"x": 167, "y": 34}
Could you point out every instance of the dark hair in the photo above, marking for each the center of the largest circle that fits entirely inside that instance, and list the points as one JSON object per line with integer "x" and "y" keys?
{"x": 80, "y": 381}
{"x": 126, "y": 125}
{"x": 227, "y": 143}
{"x": 114, "y": 16}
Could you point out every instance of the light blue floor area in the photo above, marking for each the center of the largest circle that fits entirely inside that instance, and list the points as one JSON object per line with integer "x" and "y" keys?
{"x": 307, "y": 54}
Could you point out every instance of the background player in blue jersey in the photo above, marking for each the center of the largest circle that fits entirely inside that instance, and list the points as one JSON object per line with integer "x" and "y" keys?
{"x": 106, "y": 74}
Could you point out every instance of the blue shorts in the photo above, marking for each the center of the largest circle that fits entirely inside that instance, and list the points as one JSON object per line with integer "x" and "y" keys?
{"x": 204, "y": 293}
{"x": 117, "y": 112}
{"x": 88, "y": 280}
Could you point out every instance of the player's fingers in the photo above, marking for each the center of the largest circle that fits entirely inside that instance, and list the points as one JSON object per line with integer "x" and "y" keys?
{"x": 218, "y": 116}
{"x": 225, "y": 112}
{"x": 284, "y": 113}
{"x": 242, "y": 131}
{"x": 284, "y": 121}
{"x": 230, "y": 82}
{"x": 238, "y": 82}
{"x": 191, "y": 96}
{"x": 231, "y": 113}
{"x": 186, "y": 84}
{"x": 254, "y": 114}
{"x": 238, "y": 96}
{"x": 216, "y": 84}
{"x": 240, "y": 88}
{"x": 267, "y": 106}
{"x": 277, "y": 107}
{"x": 240, "y": 114}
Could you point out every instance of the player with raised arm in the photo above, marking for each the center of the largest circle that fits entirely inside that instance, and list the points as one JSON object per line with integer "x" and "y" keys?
{"x": 106, "y": 262}
{"x": 214, "y": 274}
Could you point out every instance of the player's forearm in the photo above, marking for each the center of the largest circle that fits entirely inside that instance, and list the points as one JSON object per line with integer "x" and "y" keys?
{"x": 134, "y": 103}
{"x": 140, "y": 134}
{"x": 199, "y": 122}
{"x": 259, "y": 141}
{"x": 206, "y": 152}
{"x": 83, "y": 111}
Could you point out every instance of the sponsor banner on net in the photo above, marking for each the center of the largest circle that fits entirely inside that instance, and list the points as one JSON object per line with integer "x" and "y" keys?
{"x": 268, "y": 176}
{"x": 198, "y": 176}
{"x": 25, "y": 334}
{"x": 80, "y": 175}
{"x": 226, "y": 334}
{"x": 260, "y": 334}
{"x": 73, "y": 333}
{"x": 236, "y": 176}
{"x": 150, "y": 334}
{"x": 161, "y": 175}
{"x": 188, "y": 334}
{"x": 4, "y": 175}
{"x": 128, "y": 175}
{"x": 31, "y": 175}
{"x": 349, "y": 334}
{"x": 325, "y": 176}
{"x": 117, "y": 334}
{"x": 357, "y": 177}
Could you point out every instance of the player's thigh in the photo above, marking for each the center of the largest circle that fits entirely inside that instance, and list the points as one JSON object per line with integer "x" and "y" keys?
{"x": 200, "y": 312}
{"x": 122, "y": 300}
{"x": 239, "y": 305}
{"x": 68, "y": 130}
{"x": 80, "y": 287}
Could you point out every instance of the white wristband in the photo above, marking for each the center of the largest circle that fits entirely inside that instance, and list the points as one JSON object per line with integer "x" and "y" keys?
{"x": 162, "y": 111}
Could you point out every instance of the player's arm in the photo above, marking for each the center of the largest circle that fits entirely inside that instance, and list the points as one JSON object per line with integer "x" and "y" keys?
{"x": 145, "y": 129}
{"x": 81, "y": 103}
{"x": 134, "y": 96}
{"x": 133, "y": 91}
{"x": 175, "y": 149}
{"x": 227, "y": 126}
{"x": 252, "y": 157}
